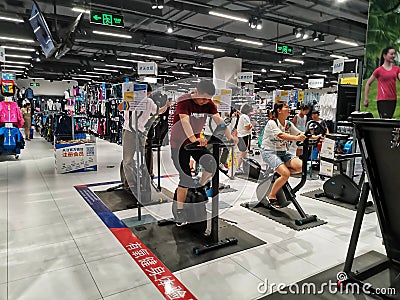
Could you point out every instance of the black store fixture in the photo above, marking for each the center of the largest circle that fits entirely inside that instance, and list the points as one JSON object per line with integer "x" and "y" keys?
{"x": 379, "y": 142}
{"x": 347, "y": 101}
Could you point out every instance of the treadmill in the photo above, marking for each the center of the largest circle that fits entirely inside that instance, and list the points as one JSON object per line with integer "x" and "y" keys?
{"x": 379, "y": 141}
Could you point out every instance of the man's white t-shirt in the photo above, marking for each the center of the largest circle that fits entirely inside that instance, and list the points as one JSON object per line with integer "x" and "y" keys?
{"x": 272, "y": 130}
{"x": 244, "y": 121}
{"x": 151, "y": 108}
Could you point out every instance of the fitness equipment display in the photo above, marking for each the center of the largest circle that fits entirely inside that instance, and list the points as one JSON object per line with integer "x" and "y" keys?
{"x": 287, "y": 194}
{"x": 198, "y": 210}
{"x": 342, "y": 187}
{"x": 379, "y": 142}
{"x": 252, "y": 169}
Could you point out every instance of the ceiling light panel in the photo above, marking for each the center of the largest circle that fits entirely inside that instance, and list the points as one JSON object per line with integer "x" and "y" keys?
{"x": 19, "y": 48}
{"x": 106, "y": 33}
{"x": 211, "y": 49}
{"x": 130, "y": 60}
{"x": 18, "y": 62}
{"x": 295, "y": 61}
{"x": 228, "y": 16}
{"x": 148, "y": 55}
{"x": 248, "y": 41}
{"x": 119, "y": 66}
{"x": 105, "y": 70}
{"x": 11, "y": 19}
{"x": 18, "y": 56}
{"x": 346, "y": 42}
{"x": 6, "y": 38}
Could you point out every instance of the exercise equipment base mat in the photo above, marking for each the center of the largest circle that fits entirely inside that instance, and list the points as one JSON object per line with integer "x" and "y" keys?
{"x": 285, "y": 216}
{"x": 311, "y": 194}
{"x": 174, "y": 245}
{"x": 120, "y": 199}
{"x": 328, "y": 279}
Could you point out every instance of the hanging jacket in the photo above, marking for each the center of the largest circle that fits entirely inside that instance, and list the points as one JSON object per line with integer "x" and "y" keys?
{"x": 29, "y": 93}
{"x": 10, "y": 113}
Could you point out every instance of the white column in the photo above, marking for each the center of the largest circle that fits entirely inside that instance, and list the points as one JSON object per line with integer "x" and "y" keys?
{"x": 225, "y": 70}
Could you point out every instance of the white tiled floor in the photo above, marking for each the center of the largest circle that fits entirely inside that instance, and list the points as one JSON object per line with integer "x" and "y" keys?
{"x": 52, "y": 245}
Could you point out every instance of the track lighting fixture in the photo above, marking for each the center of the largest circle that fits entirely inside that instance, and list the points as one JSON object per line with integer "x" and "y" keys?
{"x": 255, "y": 22}
{"x": 297, "y": 32}
{"x": 315, "y": 36}
{"x": 157, "y": 4}
{"x": 300, "y": 32}
{"x": 170, "y": 28}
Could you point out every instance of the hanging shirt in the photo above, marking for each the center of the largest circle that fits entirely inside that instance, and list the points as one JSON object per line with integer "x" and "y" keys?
{"x": 386, "y": 82}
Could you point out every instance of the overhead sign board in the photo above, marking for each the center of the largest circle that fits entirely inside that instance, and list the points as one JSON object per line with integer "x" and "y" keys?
{"x": 147, "y": 68}
{"x": 245, "y": 77}
{"x": 284, "y": 49}
{"x": 108, "y": 19}
{"x": 316, "y": 83}
{"x": 338, "y": 66}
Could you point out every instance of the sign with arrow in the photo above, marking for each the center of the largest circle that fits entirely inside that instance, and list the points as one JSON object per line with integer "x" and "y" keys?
{"x": 108, "y": 19}
{"x": 284, "y": 49}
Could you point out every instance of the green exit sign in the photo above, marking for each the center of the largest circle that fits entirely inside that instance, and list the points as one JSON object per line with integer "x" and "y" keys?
{"x": 108, "y": 19}
{"x": 35, "y": 84}
{"x": 284, "y": 49}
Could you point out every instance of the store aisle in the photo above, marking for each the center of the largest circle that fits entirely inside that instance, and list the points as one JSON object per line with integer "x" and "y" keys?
{"x": 53, "y": 246}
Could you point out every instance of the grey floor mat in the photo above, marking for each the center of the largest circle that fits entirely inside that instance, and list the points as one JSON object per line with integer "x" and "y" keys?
{"x": 174, "y": 245}
{"x": 119, "y": 199}
{"x": 311, "y": 194}
{"x": 330, "y": 276}
{"x": 285, "y": 216}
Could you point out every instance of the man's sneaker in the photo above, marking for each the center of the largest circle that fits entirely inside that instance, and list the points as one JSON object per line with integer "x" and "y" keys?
{"x": 180, "y": 219}
{"x": 239, "y": 171}
{"x": 223, "y": 168}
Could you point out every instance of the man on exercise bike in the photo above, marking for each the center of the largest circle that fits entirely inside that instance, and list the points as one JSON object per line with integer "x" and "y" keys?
{"x": 189, "y": 120}
{"x": 275, "y": 144}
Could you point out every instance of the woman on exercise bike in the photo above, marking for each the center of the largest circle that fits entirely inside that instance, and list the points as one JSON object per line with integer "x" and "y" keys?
{"x": 278, "y": 133}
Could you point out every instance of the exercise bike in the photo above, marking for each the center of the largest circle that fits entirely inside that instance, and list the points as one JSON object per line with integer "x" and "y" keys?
{"x": 287, "y": 195}
{"x": 341, "y": 187}
{"x": 195, "y": 207}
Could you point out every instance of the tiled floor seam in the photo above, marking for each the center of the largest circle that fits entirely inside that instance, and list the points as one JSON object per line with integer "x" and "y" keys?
{"x": 136, "y": 287}
{"x": 87, "y": 267}
{"x": 299, "y": 257}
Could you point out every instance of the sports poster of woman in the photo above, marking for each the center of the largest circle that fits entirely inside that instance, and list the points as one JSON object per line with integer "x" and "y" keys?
{"x": 382, "y": 72}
